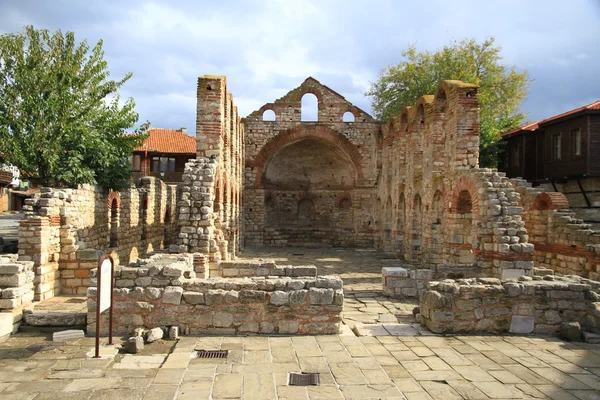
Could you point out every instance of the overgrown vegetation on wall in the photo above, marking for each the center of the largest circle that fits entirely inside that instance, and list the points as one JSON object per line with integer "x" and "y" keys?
{"x": 61, "y": 122}
{"x": 501, "y": 88}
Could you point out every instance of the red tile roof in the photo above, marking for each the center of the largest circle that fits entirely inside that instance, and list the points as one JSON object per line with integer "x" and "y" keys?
{"x": 168, "y": 141}
{"x": 532, "y": 127}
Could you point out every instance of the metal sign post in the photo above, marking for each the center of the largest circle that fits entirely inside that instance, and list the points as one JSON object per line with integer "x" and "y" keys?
{"x": 104, "y": 296}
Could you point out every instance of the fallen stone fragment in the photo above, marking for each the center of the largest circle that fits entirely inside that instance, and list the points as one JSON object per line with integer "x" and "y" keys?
{"x": 134, "y": 344}
{"x": 68, "y": 334}
{"x": 590, "y": 337}
{"x": 570, "y": 331}
{"x": 174, "y": 333}
{"x": 154, "y": 334}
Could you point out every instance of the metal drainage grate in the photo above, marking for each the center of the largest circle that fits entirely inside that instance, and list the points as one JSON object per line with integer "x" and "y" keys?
{"x": 212, "y": 353}
{"x": 304, "y": 379}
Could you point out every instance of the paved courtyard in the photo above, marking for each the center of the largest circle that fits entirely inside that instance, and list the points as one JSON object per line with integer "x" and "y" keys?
{"x": 395, "y": 359}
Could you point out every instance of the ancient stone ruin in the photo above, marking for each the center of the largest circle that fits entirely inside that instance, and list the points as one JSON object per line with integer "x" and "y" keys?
{"x": 472, "y": 241}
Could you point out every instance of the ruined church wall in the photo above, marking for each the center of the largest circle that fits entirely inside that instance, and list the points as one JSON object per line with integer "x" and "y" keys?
{"x": 339, "y": 206}
{"x": 210, "y": 206}
{"x": 66, "y": 231}
{"x": 563, "y": 243}
{"x": 434, "y": 205}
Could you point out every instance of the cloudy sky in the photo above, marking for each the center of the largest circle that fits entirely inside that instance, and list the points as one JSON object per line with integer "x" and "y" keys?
{"x": 265, "y": 48}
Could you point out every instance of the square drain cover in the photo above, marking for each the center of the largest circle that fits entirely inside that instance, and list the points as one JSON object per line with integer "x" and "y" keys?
{"x": 212, "y": 353}
{"x": 304, "y": 379}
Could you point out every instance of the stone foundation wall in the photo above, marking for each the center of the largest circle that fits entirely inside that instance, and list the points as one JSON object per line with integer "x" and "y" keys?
{"x": 526, "y": 306}
{"x": 16, "y": 291}
{"x": 164, "y": 292}
{"x": 254, "y": 268}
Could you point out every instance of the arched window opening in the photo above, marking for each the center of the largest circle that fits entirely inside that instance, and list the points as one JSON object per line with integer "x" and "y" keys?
{"x": 416, "y": 228}
{"x": 441, "y": 100}
{"x": 269, "y": 115}
{"x": 167, "y": 224}
{"x": 464, "y": 203}
{"x": 306, "y": 211}
{"x": 348, "y": 117}
{"x": 310, "y": 108}
{"x": 400, "y": 221}
{"x": 114, "y": 223}
{"x": 345, "y": 204}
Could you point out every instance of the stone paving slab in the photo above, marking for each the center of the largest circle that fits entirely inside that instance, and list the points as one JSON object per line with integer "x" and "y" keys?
{"x": 370, "y": 367}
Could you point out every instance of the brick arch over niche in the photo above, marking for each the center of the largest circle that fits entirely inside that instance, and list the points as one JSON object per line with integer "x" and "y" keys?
{"x": 114, "y": 196}
{"x": 465, "y": 184}
{"x": 551, "y": 201}
{"x": 305, "y": 132}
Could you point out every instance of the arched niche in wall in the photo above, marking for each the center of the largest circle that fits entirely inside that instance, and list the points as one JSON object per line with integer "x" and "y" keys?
{"x": 400, "y": 224}
{"x": 310, "y": 163}
{"x": 435, "y": 216}
{"x": 310, "y": 108}
{"x": 306, "y": 211}
{"x": 463, "y": 237}
{"x": 114, "y": 223}
{"x": 417, "y": 228}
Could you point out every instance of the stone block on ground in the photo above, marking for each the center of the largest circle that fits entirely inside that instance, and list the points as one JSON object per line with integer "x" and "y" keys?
{"x": 134, "y": 344}
{"x": 521, "y": 324}
{"x": 154, "y": 334}
{"x": 570, "y": 331}
{"x": 174, "y": 333}
{"x": 68, "y": 334}
{"x": 592, "y": 338}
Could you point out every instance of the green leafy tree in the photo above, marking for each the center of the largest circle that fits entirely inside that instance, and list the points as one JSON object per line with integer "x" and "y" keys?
{"x": 61, "y": 122}
{"x": 501, "y": 89}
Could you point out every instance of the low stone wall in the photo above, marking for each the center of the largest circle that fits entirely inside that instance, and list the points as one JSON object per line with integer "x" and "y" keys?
{"x": 16, "y": 291}
{"x": 165, "y": 292}
{"x": 529, "y": 305}
{"x": 251, "y": 268}
{"x": 399, "y": 283}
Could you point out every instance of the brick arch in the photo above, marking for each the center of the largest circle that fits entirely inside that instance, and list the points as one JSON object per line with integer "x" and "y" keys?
{"x": 341, "y": 197}
{"x": 550, "y": 201}
{"x": 468, "y": 185}
{"x": 114, "y": 196}
{"x": 305, "y": 132}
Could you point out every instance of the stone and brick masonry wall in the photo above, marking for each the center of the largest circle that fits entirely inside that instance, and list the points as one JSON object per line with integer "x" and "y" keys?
{"x": 434, "y": 206}
{"x": 563, "y": 243}
{"x": 65, "y": 231}
{"x": 210, "y": 207}
{"x": 524, "y": 306}
{"x": 16, "y": 291}
{"x": 163, "y": 291}
{"x": 290, "y": 196}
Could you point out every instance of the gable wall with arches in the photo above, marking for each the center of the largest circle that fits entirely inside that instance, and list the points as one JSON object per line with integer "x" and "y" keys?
{"x": 310, "y": 176}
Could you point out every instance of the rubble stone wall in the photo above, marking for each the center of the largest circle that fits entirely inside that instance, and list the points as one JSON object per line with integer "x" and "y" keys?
{"x": 65, "y": 231}
{"x": 210, "y": 206}
{"x": 16, "y": 291}
{"x": 526, "y": 306}
{"x": 164, "y": 291}
{"x": 562, "y": 242}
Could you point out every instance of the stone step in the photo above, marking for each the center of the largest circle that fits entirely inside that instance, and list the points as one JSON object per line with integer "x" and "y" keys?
{"x": 55, "y": 319}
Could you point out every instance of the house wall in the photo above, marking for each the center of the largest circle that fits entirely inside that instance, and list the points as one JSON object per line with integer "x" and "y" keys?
{"x": 569, "y": 164}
